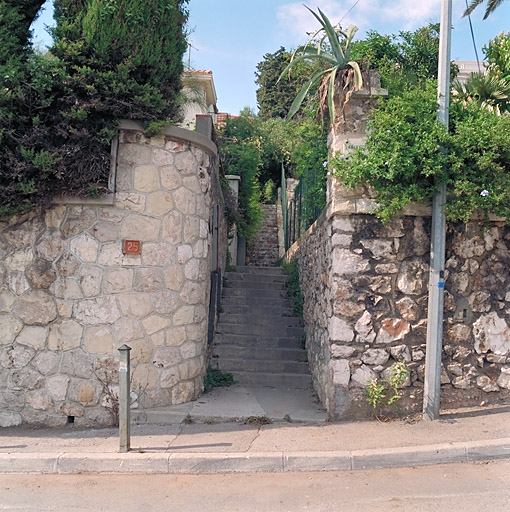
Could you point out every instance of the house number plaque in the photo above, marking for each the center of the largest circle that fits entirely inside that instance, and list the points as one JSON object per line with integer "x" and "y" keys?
{"x": 132, "y": 247}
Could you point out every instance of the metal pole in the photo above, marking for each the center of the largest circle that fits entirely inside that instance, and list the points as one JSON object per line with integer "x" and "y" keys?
{"x": 432, "y": 386}
{"x": 124, "y": 399}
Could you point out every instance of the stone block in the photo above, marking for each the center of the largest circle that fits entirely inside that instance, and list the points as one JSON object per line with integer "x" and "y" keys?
{"x": 6, "y": 300}
{"x": 16, "y": 357}
{"x": 85, "y": 247}
{"x": 141, "y": 351}
{"x": 144, "y": 377}
{"x": 491, "y": 332}
{"x": 172, "y": 227}
{"x": 17, "y": 282}
{"x": 375, "y": 356}
{"x": 166, "y": 302}
{"x": 127, "y": 329}
{"x": 86, "y": 393}
{"x": 34, "y": 337}
{"x": 362, "y": 375}
{"x": 9, "y": 329}
{"x": 65, "y": 335}
{"x": 51, "y": 247}
{"x": 185, "y": 200}
{"x": 39, "y": 400}
{"x": 155, "y": 323}
{"x": 105, "y": 231}
{"x": 166, "y": 357}
{"x": 10, "y": 419}
{"x": 341, "y": 372}
{"x": 55, "y": 216}
{"x": 90, "y": 279}
{"x": 139, "y": 227}
{"x": 170, "y": 178}
{"x": 25, "y": 379}
{"x": 77, "y": 363}
{"x": 148, "y": 280}
{"x": 504, "y": 378}
{"x": 393, "y": 329}
{"x": 101, "y": 310}
{"x": 98, "y": 340}
{"x": 135, "y": 305}
{"x": 130, "y": 201}
{"x": 412, "y": 278}
{"x": 340, "y": 330}
{"x": 146, "y": 178}
{"x": 57, "y": 387}
{"x": 186, "y": 163}
{"x": 47, "y": 363}
{"x": 19, "y": 260}
{"x": 159, "y": 254}
{"x": 67, "y": 265}
{"x": 159, "y": 203}
{"x": 183, "y": 392}
{"x": 40, "y": 274}
{"x": 118, "y": 280}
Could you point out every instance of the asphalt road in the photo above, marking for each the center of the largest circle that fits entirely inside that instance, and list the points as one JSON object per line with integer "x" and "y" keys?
{"x": 457, "y": 487}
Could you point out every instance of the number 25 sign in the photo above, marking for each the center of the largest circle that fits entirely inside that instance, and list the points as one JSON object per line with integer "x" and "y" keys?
{"x": 133, "y": 247}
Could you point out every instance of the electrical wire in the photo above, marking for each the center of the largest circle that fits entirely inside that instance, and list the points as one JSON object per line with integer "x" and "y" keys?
{"x": 346, "y": 14}
{"x": 473, "y": 39}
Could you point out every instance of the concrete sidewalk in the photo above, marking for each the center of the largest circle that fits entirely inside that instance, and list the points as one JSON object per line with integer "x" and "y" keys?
{"x": 195, "y": 441}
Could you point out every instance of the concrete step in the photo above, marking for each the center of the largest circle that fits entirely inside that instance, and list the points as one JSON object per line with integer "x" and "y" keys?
{"x": 251, "y": 340}
{"x": 258, "y": 330}
{"x": 278, "y": 380}
{"x": 262, "y": 366}
{"x": 232, "y": 306}
{"x": 224, "y": 351}
{"x": 248, "y": 278}
{"x": 254, "y": 293}
{"x": 279, "y": 304}
{"x": 276, "y": 321}
{"x": 243, "y": 269}
{"x": 254, "y": 285}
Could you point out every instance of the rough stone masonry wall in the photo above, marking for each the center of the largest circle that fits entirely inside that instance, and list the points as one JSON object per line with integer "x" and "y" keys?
{"x": 69, "y": 297}
{"x": 366, "y": 291}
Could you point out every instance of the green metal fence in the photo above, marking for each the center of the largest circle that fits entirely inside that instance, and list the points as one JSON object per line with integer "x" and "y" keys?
{"x": 304, "y": 208}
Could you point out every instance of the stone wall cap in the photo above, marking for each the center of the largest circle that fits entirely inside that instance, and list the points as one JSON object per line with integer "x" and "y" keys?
{"x": 233, "y": 177}
{"x": 175, "y": 132}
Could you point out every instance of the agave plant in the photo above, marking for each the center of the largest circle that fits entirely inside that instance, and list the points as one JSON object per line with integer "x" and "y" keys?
{"x": 488, "y": 91}
{"x": 333, "y": 47}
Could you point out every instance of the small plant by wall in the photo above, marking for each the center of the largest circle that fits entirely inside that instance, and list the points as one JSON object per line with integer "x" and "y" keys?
{"x": 387, "y": 391}
{"x": 291, "y": 269}
{"x": 217, "y": 379}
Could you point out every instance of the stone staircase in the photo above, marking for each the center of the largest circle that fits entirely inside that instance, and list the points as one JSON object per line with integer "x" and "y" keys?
{"x": 263, "y": 251}
{"x": 257, "y": 338}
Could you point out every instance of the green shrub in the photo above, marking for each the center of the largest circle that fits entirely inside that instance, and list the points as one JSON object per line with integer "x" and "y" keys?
{"x": 110, "y": 60}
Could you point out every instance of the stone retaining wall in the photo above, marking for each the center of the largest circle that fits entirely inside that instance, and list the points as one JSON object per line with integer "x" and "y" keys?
{"x": 366, "y": 290}
{"x": 69, "y": 296}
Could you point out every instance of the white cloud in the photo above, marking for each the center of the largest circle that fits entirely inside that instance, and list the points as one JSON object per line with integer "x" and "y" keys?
{"x": 385, "y": 16}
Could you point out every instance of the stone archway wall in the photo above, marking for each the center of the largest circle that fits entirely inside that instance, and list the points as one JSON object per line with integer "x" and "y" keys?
{"x": 69, "y": 296}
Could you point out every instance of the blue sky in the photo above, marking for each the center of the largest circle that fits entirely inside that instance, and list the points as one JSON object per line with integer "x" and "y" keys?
{"x": 230, "y": 37}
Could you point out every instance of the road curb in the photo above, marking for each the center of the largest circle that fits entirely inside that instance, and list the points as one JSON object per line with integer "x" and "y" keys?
{"x": 252, "y": 462}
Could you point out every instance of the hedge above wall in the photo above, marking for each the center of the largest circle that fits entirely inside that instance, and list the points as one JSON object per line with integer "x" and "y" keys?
{"x": 59, "y": 111}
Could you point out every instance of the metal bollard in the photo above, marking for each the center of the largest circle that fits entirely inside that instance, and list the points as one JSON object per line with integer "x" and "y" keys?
{"x": 124, "y": 399}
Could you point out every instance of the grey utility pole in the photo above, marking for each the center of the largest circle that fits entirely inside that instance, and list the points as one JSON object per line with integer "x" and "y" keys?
{"x": 431, "y": 390}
